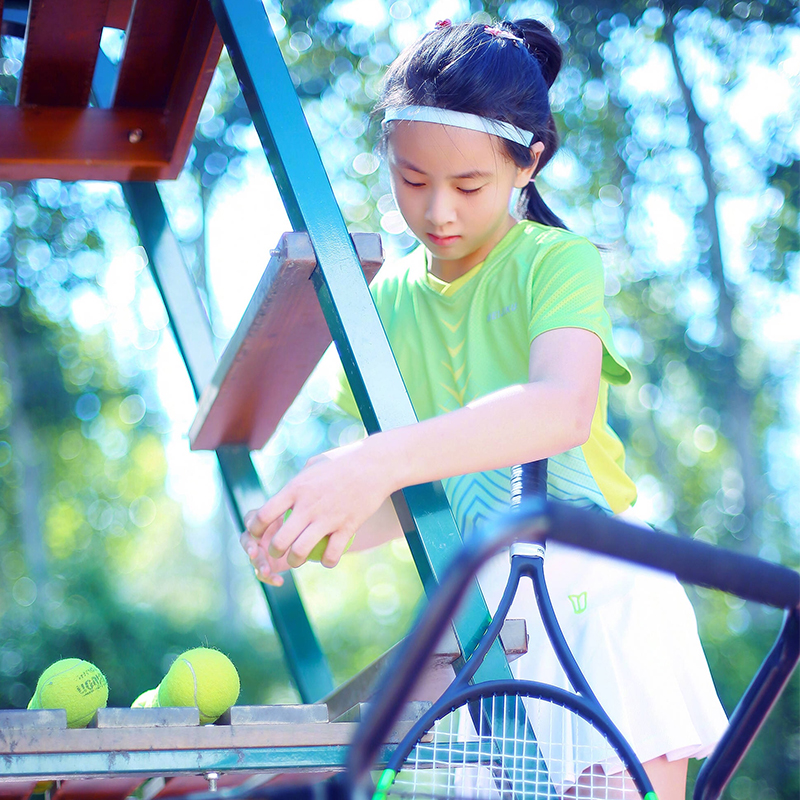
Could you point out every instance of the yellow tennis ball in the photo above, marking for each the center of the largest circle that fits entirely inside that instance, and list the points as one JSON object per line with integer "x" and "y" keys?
{"x": 148, "y": 699}
{"x": 76, "y": 686}
{"x": 318, "y": 550}
{"x": 204, "y": 678}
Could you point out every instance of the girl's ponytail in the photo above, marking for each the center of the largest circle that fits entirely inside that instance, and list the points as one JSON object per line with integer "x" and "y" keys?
{"x": 542, "y": 45}
{"x": 531, "y": 205}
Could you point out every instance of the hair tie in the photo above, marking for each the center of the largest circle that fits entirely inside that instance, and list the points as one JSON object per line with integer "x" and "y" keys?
{"x": 443, "y": 23}
{"x": 502, "y": 33}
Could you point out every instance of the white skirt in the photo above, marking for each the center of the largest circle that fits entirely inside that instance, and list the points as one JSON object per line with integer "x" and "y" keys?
{"x": 634, "y": 634}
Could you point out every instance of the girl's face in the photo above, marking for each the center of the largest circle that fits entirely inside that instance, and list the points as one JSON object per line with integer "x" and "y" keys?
{"x": 453, "y": 187}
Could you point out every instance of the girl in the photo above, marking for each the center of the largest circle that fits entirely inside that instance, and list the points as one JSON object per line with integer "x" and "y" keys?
{"x": 495, "y": 319}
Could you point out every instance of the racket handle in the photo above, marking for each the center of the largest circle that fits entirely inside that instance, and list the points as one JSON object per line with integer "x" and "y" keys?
{"x": 527, "y": 481}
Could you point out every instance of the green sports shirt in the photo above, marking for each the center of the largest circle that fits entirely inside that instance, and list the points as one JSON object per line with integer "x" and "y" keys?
{"x": 455, "y": 342}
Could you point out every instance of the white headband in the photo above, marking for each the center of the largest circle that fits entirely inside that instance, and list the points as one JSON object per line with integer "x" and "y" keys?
{"x": 458, "y": 119}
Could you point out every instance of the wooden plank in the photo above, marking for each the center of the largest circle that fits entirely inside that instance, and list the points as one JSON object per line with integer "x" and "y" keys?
{"x": 84, "y": 144}
{"x": 119, "y": 14}
{"x": 202, "y": 47}
{"x": 412, "y": 711}
{"x": 145, "y": 717}
{"x": 61, "y": 44}
{"x": 285, "y": 714}
{"x": 27, "y": 740}
{"x": 13, "y": 718}
{"x": 170, "y": 55}
{"x": 201, "y": 737}
{"x": 277, "y": 344}
{"x": 153, "y": 50}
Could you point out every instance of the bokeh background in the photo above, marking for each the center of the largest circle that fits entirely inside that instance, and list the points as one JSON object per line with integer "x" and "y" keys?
{"x": 680, "y": 148}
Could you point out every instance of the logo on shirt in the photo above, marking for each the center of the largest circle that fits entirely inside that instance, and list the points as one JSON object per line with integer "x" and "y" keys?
{"x": 493, "y": 315}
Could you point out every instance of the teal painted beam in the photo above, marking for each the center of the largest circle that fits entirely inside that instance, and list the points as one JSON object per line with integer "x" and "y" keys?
{"x": 304, "y": 655}
{"x": 311, "y": 206}
{"x": 174, "y": 762}
{"x": 345, "y": 299}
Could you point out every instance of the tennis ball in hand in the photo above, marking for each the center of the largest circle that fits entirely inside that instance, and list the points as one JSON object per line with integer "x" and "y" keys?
{"x": 318, "y": 550}
{"x": 203, "y": 678}
{"x": 76, "y": 686}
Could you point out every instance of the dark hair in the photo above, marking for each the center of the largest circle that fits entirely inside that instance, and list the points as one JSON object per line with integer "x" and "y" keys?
{"x": 465, "y": 68}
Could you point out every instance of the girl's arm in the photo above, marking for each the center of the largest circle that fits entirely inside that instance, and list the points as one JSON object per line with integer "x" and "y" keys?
{"x": 338, "y": 491}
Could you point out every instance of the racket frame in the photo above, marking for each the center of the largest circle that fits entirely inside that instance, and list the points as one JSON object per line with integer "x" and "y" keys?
{"x": 527, "y": 560}
{"x": 535, "y": 690}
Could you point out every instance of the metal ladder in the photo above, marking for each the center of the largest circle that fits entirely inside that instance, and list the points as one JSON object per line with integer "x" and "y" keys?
{"x": 351, "y": 318}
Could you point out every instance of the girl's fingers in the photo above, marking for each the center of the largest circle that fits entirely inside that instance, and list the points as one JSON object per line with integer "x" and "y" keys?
{"x": 284, "y": 533}
{"x": 265, "y": 570}
{"x": 319, "y": 508}
{"x": 271, "y": 579}
{"x": 308, "y": 538}
{"x": 259, "y": 521}
{"x": 263, "y": 567}
{"x": 337, "y": 544}
{"x": 291, "y": 544}
{"x": 301, "y": 548}
{"x": 249, "y": 545}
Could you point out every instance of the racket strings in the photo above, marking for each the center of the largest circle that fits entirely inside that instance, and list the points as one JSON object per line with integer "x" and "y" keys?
{"x": 521, "y": 748}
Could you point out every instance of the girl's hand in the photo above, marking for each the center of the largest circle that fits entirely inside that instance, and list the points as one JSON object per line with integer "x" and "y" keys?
{"x": 333, "y": 495}
{"x": 267, "y": 569}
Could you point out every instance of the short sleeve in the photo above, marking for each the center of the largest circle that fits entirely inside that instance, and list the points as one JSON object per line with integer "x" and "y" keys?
{"x": 567, "y": 291}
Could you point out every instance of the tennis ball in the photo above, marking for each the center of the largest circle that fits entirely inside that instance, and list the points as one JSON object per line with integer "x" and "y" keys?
{"x": 148, "y": 699}
{"x": 203, "y": 678}
{"x": 76, "y": 686}
{"x": 318, "y": 550}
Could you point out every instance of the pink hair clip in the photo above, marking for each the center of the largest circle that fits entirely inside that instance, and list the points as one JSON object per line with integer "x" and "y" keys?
{"x": 501, "y": 33}
{"x": 443, "y": 23}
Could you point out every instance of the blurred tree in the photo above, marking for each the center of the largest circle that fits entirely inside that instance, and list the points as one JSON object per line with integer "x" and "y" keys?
{"x": 81, "y": 462}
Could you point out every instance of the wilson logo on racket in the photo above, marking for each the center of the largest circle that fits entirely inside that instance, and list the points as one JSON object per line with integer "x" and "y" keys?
{"x": 579, "y": 602}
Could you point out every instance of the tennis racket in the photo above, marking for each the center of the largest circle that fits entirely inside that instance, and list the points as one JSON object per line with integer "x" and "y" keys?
{"x": 691, "y": 561}
{"x": 516, "y": 738}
